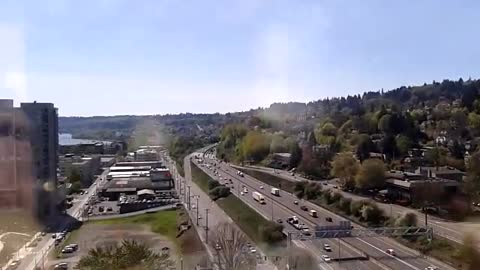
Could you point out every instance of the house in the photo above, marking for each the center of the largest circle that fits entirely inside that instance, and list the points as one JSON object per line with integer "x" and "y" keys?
{"x": 444, "y": 172}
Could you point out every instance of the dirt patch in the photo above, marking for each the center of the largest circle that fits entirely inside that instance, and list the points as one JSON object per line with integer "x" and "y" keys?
{"x": 192, "y": 249}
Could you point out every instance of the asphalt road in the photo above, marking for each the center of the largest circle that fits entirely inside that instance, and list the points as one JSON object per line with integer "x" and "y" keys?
{"x": 38, "y": 256}
{"x": 375, "y": 247}
{"x": 453, "y": 231}
{"x": 199, "y": 202}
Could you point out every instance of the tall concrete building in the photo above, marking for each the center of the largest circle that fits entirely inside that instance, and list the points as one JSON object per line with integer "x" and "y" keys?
{"x": 42, "y": 121}
{"x": 28, "y": 156}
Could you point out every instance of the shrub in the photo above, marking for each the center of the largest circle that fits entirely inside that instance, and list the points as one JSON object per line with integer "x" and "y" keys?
{"x": 219, "y": 192}
{"x": 355, "y": 207}
{"x": 213, "y": 184}
{"x": 271, "y": 232}
{"x": 371, "y": 213}
{"x": 344, "y": 205}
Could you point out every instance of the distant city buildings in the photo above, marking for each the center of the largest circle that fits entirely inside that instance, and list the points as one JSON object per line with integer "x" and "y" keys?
{"x": 85, "y": 166}
{"x": 28, "y": 156}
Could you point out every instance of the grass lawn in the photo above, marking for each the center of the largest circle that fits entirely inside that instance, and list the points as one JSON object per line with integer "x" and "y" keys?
{"x": 271, "y": 180}
{"x": 199, "y": 177}
{"x": 162, "y": 222}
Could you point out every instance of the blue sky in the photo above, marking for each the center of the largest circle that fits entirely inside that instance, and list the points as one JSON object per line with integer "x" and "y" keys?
{"x": 106, "y": 57}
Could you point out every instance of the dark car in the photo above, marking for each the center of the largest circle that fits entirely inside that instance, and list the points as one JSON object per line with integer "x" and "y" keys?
{"x": 304, "y": 208}
{"x": 279, "y": 220}
{"x": 329, "y": 219}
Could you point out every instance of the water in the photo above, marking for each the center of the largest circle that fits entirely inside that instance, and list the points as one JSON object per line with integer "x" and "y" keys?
{"x": 67, "y": 139}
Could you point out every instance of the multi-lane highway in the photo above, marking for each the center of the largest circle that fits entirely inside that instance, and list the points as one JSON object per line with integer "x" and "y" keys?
{"x": 284, "y": 206}
{"x": 454, "y": 231}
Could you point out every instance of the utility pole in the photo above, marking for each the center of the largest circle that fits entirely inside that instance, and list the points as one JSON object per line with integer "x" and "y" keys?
{"x": 197, "y": 208}
{"x": 272, "y": 206}
{"x": 189, "y": 198}
{"x": 206, "y": 225}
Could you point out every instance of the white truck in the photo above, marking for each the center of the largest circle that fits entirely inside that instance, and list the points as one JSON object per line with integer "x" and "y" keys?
{"x": 257, "y": 196}
{"x": 275, "y": 191}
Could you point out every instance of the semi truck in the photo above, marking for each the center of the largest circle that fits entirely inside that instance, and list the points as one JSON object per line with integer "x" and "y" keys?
{"x": 258, "y": 197}
{"x": 275, "y": 191}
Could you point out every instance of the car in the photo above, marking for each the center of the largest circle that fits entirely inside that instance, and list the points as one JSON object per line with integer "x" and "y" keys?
{"x": 241, "y": 193}
{"x": 101, "y": 208}
{"x": 431, "y": 267}
{"x": 60, "y": 266}
{"x": 325, "y": 183}
{"x": 72, "y": 246}
{"x": 14, "y": 264}
{"x": 217, "y": 246}
{"x": 261, "y": 187}
{"x": 194, "y": 206}
{"x": 43, "y": 233}
{"x": 109, "y": 209}
{"x": 54, "y": 236}
{"x": 295, "y": 202}
{"x": 306, "y": 231}
{"x": 335, "y": 186}
{"x": 390, "y": 251}
{"x": 279, "y": 220}
{"x": 253, "y": 250}
{"x": 326, "y": 258}
{"x": 327, "y": 247}
{"x": 329, "y": 219}
{"x": 67, "y": 250}
{"x": 304, "y": 208}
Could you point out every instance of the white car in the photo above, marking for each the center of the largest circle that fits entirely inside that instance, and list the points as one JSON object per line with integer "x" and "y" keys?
{"x": 326, "y": 258}
{"x": 241, "y": 193}
{"x": 390, "y": 251}
{"x": 253, "y": 250}
{"x": 327, "y": 247}
{"x": 431, "y": 267}
{"x": 261, "y": 187}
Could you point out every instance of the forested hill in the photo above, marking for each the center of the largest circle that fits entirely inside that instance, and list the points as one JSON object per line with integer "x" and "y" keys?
{"x": 419, "y": 100}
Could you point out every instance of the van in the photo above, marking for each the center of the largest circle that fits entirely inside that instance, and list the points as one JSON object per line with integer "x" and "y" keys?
{"x": 313, "y": 213}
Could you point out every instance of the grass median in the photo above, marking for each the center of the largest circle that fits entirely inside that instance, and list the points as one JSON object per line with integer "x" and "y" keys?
{"x": 249, "y": 221}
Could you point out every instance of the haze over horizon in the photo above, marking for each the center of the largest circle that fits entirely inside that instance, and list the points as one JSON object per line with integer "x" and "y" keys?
{"x": 117, "y": 57}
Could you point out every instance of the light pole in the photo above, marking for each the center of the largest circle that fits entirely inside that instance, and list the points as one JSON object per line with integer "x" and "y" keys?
{"x": 206, "y": 225}
{"x": 197, "y": 208}
{"x": 189, "y": 198}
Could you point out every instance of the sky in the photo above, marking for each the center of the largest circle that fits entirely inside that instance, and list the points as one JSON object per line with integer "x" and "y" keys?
{"x": 110, "y": 57}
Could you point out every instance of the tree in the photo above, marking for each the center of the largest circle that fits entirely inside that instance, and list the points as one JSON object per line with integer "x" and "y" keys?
{"x": 403, "y": 144}
{"x": 129, "y": 255}
{"x": 345, "y": 205}
{"x": 385, "y": 124}
{"x": 75, "y": 188}
{"x": 255, "y": 146}
{"x": 388, "y": 145}
{"x": 271, "y": 232}
{"x": 364, "y": 147}
{"x": 75, "y": 176}
{"x": 345, "y": 167}
{"x": 301, "y": 259}
{"x": 436, "y": 156}
{"x": 295, "y": 152}
{"x": 408, "y": 219}
{"x": 278, "y": 145}
{"x": 474, "y": 121}
{"x": 468, "y": 252}
{"x": 371, "y": 174}
{"x": 231, "y": 248}
{"x": 328, "y": 129}
{"x": 371, "y": 213}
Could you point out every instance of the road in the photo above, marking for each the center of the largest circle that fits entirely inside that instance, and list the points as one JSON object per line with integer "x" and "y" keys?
{"x": 37, "y": 256}
{"x": 199, "y": 202}
{"x": 374, "y": 247}
{"x": 454, "y": 231}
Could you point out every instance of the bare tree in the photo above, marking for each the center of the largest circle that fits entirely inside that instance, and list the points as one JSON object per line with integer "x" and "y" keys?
{"x": 301, "y": 259}
{"x": 231, "y": 248}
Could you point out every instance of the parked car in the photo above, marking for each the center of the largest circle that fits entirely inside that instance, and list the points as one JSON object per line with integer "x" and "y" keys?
{"x": 304, "y": 208}
{"x": 67, "y": 250}
{"x": 279, "y": 220}
{"x": 295, "y": 202}
{"x": 60, "y": 266}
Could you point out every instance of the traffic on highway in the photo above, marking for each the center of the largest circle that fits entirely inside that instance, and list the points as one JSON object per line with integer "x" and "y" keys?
{"x": 300, "y": 218}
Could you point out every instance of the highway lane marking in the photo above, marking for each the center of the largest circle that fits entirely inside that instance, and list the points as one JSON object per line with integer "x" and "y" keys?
{"x": 398, "y": 259}
{"x": 280, "y": 205}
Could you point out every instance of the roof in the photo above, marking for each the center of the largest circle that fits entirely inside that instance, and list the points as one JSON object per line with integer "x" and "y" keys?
{"x": 441, "y": 169}
{"x": 136, "y": 184}
{"x": 285, "y": 155}
{"x": 145, "y": 192}
{"x": 130, "y": 168}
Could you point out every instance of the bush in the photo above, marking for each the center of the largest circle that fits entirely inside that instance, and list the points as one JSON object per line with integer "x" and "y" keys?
{"x": 75, "y": 188}
{"x": 271, "y": 232}
{"x": 313, "y": 190}
{"x": 408, "y": 219}
{"x": 371, "y": 213}
{"x": 213, "y": 184}
{"x": 355, "y": 207}
{"x": 219, "y": 192}
{"x": 335, "y": 197}
{"x": 344, "y": 205}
